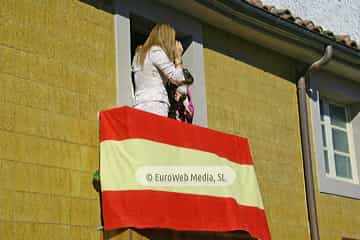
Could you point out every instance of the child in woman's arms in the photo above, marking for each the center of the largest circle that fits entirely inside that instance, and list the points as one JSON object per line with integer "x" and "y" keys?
{"x": 184, "y": 106}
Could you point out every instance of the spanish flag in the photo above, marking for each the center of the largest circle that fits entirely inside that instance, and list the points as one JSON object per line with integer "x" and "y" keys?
{"x": 157, "y": 172}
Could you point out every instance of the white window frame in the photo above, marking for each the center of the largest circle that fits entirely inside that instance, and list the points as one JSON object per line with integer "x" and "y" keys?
{"x": 193, "y": 57}
{"x": 329, "y": 141}
{"x": 343, "y": 91}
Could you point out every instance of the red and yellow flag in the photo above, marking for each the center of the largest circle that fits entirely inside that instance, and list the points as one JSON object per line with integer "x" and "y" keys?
{"x": 160, "y": 173}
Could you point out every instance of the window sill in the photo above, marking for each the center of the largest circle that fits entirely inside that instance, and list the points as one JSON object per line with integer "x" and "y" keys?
{"x": 339, "y": 187}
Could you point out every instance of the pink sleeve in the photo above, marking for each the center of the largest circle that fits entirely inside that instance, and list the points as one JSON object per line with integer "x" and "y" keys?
{"x": 191, "y": 105}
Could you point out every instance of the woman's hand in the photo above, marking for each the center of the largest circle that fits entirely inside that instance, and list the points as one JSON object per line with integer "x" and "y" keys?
{"x": 178, "y": 51}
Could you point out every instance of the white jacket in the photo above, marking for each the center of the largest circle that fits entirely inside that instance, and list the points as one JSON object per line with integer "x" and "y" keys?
{"x": 151, "y": 77}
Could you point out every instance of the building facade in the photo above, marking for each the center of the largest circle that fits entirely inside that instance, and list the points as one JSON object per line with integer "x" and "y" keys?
{"x": 57, "y": 71}
{"x": 64, "y": 61}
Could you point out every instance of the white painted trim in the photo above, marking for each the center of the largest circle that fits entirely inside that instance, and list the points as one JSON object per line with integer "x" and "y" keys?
{"x": 355, "y": 165}
{"x": 124, "y": 96}
{"x": 326, "y": 183}
{"x": 330, "y": 144}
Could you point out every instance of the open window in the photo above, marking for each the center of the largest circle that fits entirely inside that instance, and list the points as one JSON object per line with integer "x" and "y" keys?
{"x": 140, "y": 28}
{"x": 133, "y": 22}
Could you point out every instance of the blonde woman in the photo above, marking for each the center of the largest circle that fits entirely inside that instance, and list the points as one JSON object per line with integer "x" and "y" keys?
{"x": 155, "y": 63}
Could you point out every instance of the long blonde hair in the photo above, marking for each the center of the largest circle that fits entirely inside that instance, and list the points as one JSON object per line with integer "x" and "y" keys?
{"x": 162, "y": 35}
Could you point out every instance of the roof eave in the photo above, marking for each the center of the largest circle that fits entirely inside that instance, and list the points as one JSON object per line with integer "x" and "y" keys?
{"x": 346, "y": 60}
{"x": 270, "y": 31}
{"x": 242, "y": 7}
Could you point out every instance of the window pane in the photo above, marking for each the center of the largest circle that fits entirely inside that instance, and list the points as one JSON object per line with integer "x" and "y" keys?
{"x": 337, "y": 115}
{"x": 340, "y": 140}
{"x": 326, "y": 159}
{"x": 323, "y": 135}
{"x": 343, "y": 166}
{"x": 321, "y": 110}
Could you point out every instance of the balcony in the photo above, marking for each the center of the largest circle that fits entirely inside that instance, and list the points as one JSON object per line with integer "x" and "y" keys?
{"x": 168, "y": 178}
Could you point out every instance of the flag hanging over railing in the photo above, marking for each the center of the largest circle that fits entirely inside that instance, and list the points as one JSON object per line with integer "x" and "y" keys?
{"x": 160, "y": 173}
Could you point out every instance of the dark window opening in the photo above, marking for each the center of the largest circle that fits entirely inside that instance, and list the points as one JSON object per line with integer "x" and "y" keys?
{"x": 140, "y": 28}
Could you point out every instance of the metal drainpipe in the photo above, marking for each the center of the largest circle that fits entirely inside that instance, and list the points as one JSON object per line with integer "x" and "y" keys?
{"x": 305, "y": 140}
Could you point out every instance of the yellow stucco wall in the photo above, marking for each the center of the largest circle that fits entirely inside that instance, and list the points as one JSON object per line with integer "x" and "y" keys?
{"x": 57, "y": 69}
{"x": 250, "y": 92}
{"x": 338, "y": 216}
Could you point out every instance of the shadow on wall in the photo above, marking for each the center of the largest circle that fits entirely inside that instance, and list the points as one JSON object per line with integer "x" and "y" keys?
{"x": 105, "y": 5}
{"x": 166, "y": 234}
{"x": 244, "y": 51}
{"x": 235, "y": 47}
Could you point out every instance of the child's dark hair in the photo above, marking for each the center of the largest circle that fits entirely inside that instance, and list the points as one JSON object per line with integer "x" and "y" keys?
{"x": 171, "y": 89}
{"x": 188, "y": 77}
